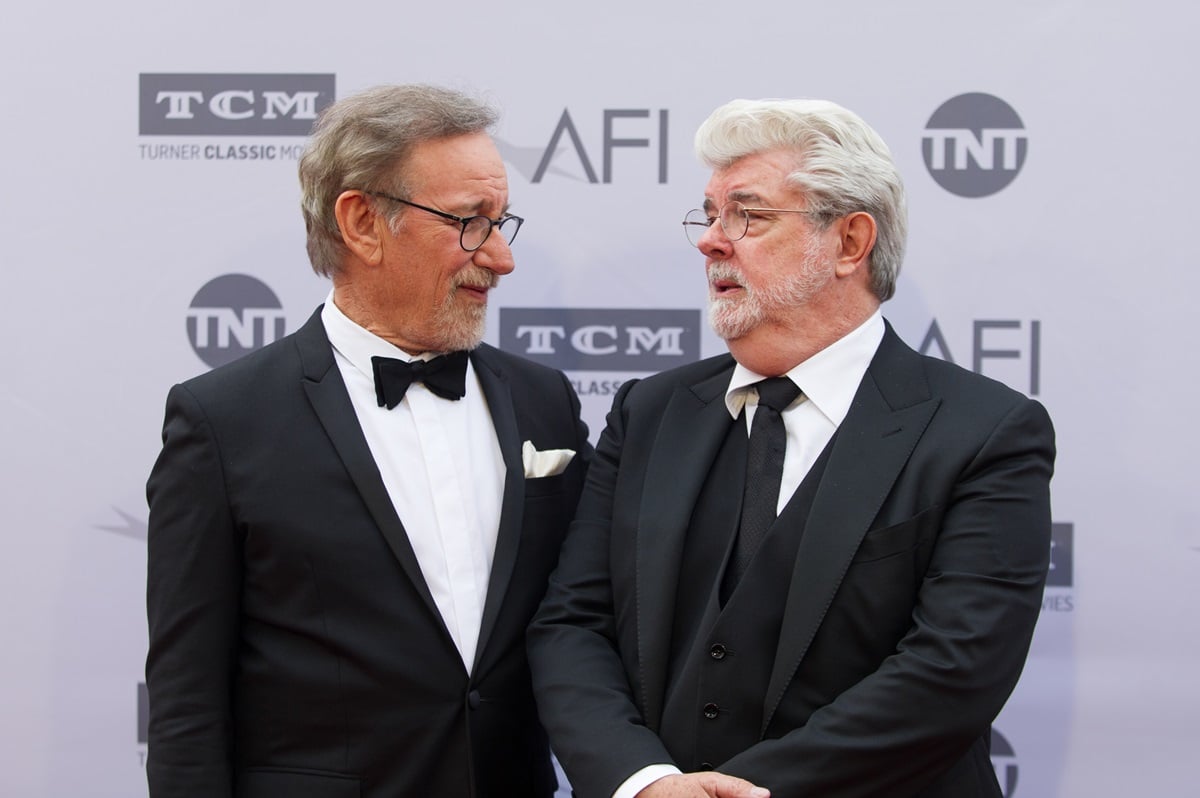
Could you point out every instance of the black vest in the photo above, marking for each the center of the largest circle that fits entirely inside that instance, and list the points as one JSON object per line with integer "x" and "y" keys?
{"x": 722, "y": 657}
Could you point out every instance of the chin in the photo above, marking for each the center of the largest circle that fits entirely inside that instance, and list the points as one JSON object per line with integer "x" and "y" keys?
{"x": 463, "y": 331}
{"x": 731, "y": 321}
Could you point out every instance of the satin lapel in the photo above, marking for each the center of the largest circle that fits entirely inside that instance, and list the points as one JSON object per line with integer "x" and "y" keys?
{"x": 694, "y": 425}
{"x": 498, "y": 394}
{"x": 889, "y": 414}
{"x": 327, "y": 393}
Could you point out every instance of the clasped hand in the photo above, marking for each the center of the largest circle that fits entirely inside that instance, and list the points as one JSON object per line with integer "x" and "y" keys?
{"x": 702, "y": 785}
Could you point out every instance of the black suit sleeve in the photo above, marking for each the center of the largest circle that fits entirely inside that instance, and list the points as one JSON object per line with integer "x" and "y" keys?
{"x": 193, "y": 597}
{"x": 916, "y": 715}
{"x": 584, "y": 697}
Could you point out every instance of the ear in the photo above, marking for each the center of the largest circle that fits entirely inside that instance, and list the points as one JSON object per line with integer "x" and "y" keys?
{"x": 361, "y": 226}
{"x": 856, "y": 240}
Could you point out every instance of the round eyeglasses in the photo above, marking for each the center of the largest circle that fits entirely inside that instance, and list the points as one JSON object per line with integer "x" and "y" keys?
{"x": 475, "y": 229}
{"x": 735, "y": 220}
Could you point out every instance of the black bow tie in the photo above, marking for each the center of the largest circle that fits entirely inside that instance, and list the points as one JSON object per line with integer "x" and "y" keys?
{"x": 445, "y": 376}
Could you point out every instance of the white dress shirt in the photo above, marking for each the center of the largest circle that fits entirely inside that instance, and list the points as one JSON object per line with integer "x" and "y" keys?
{"x": 449, "y": 502}
{"x": 829, "y": 379}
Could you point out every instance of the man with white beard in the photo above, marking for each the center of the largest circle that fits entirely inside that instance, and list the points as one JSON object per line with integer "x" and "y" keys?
{"x": 812, "y": 566}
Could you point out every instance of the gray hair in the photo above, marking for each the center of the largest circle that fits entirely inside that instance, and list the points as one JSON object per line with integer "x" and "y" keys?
{"x": 363, "y": 141}
{"x": 844, "y": 166}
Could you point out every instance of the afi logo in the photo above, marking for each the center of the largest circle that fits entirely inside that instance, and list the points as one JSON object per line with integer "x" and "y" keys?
{"x": 974, "y": 145}
{"x": 596, "y": 339}
{"x": 231, "y": 316}
{"x": 993, "y": 343}
{"x": 232, "y": 105}
{"x": 620, "y": 128}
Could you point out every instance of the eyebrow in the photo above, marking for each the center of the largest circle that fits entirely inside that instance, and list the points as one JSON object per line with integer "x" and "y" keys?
{"x": 477, "y": 210}
{"x": 744, "y": 196}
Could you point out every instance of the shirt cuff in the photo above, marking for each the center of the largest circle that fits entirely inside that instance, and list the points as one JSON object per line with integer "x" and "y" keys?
{"x": 643, "y": 778}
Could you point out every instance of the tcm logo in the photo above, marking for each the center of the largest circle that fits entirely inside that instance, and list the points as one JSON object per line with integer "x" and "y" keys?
{"x": 231, "y": 316}
{"x": 231, "y": 105}
{"x": 974, "y": 145}
{"x": 595, "y": 339}
{"x": 619, "y": 128}
{"x": 1004, "y": 761}
{"x": 1062, "y": 556}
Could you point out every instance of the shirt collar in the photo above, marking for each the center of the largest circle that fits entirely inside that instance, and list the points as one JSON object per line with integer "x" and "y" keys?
{"x": 357, "y": 344}
{"x": 829, "y": 379}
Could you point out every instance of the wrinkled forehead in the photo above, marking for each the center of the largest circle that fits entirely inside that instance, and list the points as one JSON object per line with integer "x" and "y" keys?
{"x": 758, "y": 179}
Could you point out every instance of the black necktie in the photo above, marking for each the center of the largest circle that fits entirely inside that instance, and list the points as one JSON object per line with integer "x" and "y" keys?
{"x": 764, "y": 470}
{"x": 444, "y": 376}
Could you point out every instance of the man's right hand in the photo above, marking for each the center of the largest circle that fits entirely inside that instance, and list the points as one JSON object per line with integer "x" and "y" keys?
{"x": 702, "y": 785}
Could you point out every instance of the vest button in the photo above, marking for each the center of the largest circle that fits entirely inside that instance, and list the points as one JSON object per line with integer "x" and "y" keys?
{"x": 710, "y": 711}
{"x": 718, "y": 651}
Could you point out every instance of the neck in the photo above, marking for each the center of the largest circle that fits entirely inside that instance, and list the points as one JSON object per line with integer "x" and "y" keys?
{"x": 359, "y": 310}
{"x": 773, "y": 349}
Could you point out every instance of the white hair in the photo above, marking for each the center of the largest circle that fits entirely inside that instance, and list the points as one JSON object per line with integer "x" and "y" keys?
{"x": 844, "y": 166}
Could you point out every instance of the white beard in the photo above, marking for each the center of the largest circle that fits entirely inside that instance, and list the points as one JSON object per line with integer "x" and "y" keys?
{"x": 735, "y": 317}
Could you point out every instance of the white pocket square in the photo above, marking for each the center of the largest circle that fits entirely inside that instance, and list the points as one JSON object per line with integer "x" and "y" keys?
{"x": 544, "y": 464}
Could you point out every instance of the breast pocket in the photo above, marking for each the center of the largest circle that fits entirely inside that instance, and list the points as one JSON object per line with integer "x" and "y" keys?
{"x": 544, "y": 486}
{"x": 897, "y": 539}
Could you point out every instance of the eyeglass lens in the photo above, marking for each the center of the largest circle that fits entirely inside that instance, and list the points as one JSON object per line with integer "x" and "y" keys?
{"x": 476, "y": 230}
{"x": 735, "y": 221}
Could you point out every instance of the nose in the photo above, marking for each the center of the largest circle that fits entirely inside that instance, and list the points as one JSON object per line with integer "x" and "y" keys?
{"x": 495, "y": 255}
{"x": 714, "y": 243}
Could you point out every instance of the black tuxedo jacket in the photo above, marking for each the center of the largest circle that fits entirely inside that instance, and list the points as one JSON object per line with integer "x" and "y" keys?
{"x": 295, "y": 649}
{"x": 911, "y": 603}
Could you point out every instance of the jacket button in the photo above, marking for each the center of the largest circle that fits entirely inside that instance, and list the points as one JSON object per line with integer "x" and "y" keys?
{"x": 710, "y": 711}
{"x": 706, "y": 766}
{"x": 473, "y": 699}
{"x": 718, "y": 651}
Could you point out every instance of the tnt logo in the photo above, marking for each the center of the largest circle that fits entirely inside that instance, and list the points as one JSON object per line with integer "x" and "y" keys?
{"x": 231, "y": 316}
{"x": 974, "y": 145}
{"x": 597, "y": 339}
{"x": 231, "y": 105}
{"x": 1004, "y": 761}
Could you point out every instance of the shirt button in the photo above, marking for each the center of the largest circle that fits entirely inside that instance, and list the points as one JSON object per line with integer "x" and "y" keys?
{"x": 718, "y": 651}
{"x": 710, "y": 711}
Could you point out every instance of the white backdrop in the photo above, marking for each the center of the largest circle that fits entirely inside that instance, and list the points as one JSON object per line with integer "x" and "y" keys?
{"x": 1073, "y": 282}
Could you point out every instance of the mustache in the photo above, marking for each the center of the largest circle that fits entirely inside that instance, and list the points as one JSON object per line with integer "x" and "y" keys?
{"x": 723, "y": 270}
{"x": 477, "y": 278}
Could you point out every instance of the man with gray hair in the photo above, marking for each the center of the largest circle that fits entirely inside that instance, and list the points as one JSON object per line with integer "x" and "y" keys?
{"x": 351, "y": 528}
{"x": 810, "y": 567}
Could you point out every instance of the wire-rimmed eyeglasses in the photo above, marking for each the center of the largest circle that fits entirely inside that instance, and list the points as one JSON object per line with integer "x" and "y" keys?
{"x": 475, "y": 229}
{"x": 734, "y": 217}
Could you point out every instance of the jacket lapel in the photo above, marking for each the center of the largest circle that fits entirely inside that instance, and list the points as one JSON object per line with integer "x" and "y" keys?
{"x": 889, "y": 414}
{"x": 497, "y": 392}
{"x": 693, "y": 427}
{"x": 326, "y": 392}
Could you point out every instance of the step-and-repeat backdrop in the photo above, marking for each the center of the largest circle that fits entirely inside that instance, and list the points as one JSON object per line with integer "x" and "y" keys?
{"x": 151, "y": 231}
